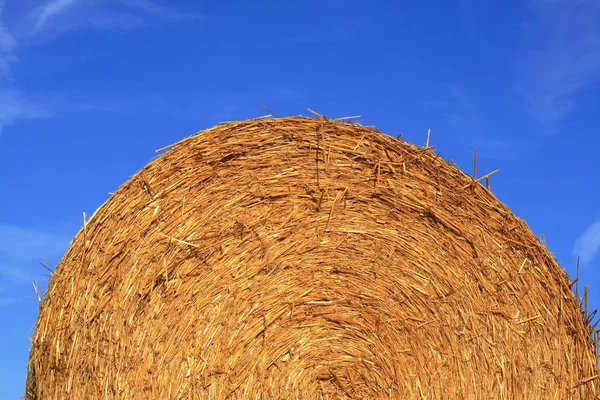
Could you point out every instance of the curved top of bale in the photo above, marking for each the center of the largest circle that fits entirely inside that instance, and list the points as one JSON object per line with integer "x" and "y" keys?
{"x": 307, "y": 258}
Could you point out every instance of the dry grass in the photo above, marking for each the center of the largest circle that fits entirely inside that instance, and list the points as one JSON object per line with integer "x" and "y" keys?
{"x": 306, "y": 258}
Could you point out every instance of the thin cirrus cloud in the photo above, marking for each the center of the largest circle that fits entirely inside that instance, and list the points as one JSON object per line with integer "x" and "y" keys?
{"x": 587, "y": 245}
{"x": 555, "y": 60}
{"x": 559, "y": 58}
{"x": 8, "y": 46}
{"x": 53, "y": 18}
{"x": 473, "y": 127}
{"x": 15, "y": 106}
{"x": 160, "y": 10}
{"x": 62, "y": 16}
{"x": 21, "y": 250}
{"x": 49, "y": 10}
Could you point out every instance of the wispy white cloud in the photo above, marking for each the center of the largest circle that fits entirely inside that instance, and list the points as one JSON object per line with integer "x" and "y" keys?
{"x": 20, "y": 244}
{"x": 225, "y": 106}
{"x": 8, "y": 46}
{"x": 160, "y": 10}
{"x": 473, "y": 127}
{"x": 587, "y": 245}
{"x": 52, "y": 18}
{"x": 57, "y": 17}
{"x": 9, "y": 301}
{"x": 21, "y": 249}
{"x": 49, "y": 10}
{"x": 559, "y": 57}
{"x": 556, "y": 56}
{"x": 14, "y": 106}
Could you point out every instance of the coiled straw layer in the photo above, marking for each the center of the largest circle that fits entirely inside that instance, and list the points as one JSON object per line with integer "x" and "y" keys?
{"x": 307, "y": 258}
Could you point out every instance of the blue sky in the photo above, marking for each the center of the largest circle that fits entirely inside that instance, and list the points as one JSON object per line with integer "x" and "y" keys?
{"x": 90, "y": 88}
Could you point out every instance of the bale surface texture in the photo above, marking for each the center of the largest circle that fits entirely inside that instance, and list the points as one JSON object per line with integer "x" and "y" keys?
{"x": 307, "y": 258}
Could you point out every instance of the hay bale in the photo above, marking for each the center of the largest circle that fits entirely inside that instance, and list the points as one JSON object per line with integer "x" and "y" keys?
{"x": 306, "y": 258}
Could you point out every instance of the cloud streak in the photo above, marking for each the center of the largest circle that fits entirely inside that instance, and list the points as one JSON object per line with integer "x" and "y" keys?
{"x": 559, "y": 57}
{"x": 53, "y": 18}
{"x": 49, "y": 10}
{"x": 8, "y": 46}
{"x": 9, "y": 301}
{"x": 587, "y": 245}
{"x": 473, "y": 127}
{"x": 58, "y": 17}
{"x": 22, "y": 249}
{"x": 19, "y": 244}
{"x": 555, "y": 60}
{"x": 160, "y": 10}
{"x": 14, "y": 106}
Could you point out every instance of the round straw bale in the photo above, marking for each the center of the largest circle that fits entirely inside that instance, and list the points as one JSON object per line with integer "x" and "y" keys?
{"x": 307, "y": 258}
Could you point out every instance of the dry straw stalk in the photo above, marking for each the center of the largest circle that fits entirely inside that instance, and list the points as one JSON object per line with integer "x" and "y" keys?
{"x": 307, "y": 258}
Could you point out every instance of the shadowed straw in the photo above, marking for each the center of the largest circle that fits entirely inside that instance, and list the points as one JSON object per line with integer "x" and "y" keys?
{"x": 307, "y": 258}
